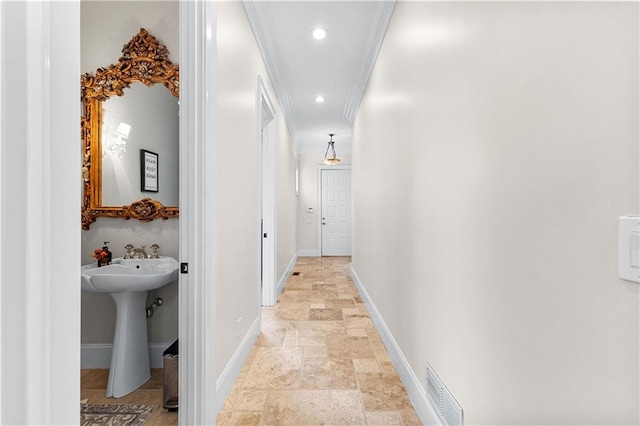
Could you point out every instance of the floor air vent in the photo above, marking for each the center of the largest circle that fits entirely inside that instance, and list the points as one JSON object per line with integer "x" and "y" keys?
{"x": 442, "y": 401}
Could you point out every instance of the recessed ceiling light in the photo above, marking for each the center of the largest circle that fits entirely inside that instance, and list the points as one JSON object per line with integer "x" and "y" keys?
{"x": 319, "y": 33}
{"x": 319, "y": 99}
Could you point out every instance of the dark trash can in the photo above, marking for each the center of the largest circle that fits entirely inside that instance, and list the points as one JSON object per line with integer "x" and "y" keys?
{"x": 170, "y": 391}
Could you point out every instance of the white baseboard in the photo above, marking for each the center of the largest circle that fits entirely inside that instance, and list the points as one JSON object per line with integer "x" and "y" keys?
{"x": 309, "y": 253}
{"x": 286, "y": 275}
{"x": 410, "y": 380}
{"x": 228, "y": 377}
{"x": 98, "y": 355}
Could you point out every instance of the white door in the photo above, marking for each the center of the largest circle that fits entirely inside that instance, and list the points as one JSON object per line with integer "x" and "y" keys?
{"x": 336, "y": 212}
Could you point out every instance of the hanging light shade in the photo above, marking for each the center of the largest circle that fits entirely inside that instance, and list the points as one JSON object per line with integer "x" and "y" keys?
{"x": 330, "y": 159}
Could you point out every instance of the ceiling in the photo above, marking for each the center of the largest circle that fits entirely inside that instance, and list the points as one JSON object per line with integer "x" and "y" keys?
{"x": 337, "y": 67}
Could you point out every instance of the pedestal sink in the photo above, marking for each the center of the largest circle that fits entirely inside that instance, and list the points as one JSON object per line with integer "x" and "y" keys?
{"x": 127, "y": 281}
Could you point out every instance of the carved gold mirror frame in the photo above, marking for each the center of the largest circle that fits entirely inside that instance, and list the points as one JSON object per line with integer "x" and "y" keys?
{"x": 143, "y": 60}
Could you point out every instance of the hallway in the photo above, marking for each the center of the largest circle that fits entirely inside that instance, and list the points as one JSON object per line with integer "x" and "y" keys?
{"x": 319, "y": 359}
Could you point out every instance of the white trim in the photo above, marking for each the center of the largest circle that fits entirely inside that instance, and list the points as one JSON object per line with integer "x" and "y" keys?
{"x": 40, "y": 371}
{"x": 410, "y": 380}
{"x": 267, "y": 127}
{"x": 322, "y": 167}
{"x": 98, "y": 355}
{"x": 258, "y": 16}
{"x": 308, "y": 253}
{"x": 95, "y": 355}
{"x": 1, "y": 210}
{"x": 156, "y": 357}
{"x": 232, "y": 370}
{"x": 285, "y": 276}
{"x": 198, "y": 234}
{"x": 378, "y": 24}
{"x": 38, "y": 84}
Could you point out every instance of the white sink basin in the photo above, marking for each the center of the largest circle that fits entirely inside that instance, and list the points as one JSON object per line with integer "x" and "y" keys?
{"x": 125, "y": 275}
{"x": 127, "y": 282}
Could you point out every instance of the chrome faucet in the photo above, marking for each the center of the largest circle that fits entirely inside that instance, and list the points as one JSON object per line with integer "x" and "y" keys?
{"x": 129, "y": 253}
{"x": 140, "y": 252}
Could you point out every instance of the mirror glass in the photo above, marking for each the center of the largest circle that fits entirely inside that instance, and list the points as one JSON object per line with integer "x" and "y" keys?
{"x": 130, "y": 136}
{"x": 143, "y": 118}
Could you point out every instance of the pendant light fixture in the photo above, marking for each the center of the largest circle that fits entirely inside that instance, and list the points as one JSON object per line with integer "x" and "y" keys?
{"x": 333, "y": 160}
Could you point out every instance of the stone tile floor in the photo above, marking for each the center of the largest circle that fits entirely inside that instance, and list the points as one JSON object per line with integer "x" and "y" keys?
{"x": 93, "y": 385}
{"x": 319, "y": 359}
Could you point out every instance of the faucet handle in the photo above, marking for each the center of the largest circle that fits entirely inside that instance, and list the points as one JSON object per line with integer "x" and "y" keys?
{"x": 129, "y": 249}
{"x": 154, "y": 254}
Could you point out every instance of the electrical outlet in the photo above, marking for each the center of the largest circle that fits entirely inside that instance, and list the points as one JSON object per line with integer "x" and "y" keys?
{"x": 238, "y": 327}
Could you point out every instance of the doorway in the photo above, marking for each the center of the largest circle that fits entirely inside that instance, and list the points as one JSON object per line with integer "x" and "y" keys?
{"x": 335, "y": 211}
{"x": 267, "y": 205}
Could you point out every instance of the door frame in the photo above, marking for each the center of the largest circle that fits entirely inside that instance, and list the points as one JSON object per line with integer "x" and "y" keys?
{"x": 45, "y": 382}
{"x": 40, "y": 294}
{"x": 198, "y": 233}
{"x": 266, "y": 125}
{"x": 322, "y": 167}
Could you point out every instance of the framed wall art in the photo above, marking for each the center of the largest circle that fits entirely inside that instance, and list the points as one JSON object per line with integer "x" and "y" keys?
{"x": 148, "y": 171}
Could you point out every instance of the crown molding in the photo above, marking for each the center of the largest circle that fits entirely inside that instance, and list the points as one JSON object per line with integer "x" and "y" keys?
{"x": 263, "y": 34}
{"x": 379, "y": 19}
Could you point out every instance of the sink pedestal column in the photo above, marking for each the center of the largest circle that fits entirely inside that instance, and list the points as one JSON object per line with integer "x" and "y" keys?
{"x": 130, "y": 355}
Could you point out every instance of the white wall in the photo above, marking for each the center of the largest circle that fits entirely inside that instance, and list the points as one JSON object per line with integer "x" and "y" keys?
{"x": 105, "y": 28}
{"x": 239, "y": 65}
{"x": 498, "y": 143}
{"x": 308, "y": 232}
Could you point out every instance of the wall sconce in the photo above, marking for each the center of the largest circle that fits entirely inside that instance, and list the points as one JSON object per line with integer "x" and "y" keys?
{"x": 333, "y": 160}
{"x": 115, "y": 141}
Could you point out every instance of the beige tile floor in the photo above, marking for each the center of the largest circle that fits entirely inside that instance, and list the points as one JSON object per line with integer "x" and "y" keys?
{"x": 93, "y": 385}
{"x": 319, "y": 359}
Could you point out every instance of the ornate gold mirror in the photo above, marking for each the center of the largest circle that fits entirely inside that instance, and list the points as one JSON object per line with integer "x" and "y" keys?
{"x": 130, "y": 143}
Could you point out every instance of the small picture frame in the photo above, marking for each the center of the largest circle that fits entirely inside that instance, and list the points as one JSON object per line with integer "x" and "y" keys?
{"x": 148, "y": 171}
